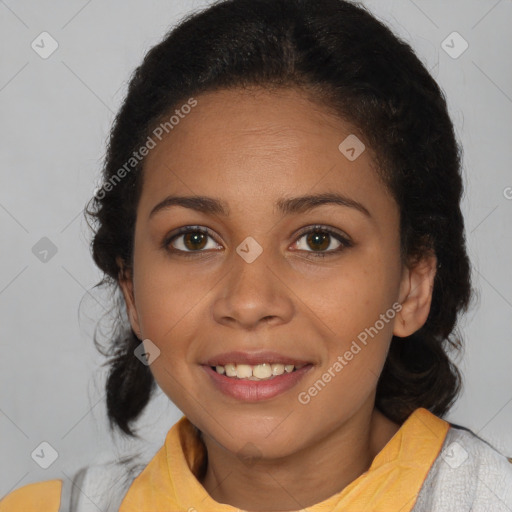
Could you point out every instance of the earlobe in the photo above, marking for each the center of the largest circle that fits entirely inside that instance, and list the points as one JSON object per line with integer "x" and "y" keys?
{"x": 125, "y": 280}
{"x": 416, "y": 290}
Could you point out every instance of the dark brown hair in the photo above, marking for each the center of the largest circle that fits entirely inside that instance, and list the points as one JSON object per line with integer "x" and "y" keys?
{"x": 347, "y": 60}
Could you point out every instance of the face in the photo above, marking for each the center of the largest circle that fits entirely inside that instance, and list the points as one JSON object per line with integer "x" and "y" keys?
{"x": 304, "y": 283}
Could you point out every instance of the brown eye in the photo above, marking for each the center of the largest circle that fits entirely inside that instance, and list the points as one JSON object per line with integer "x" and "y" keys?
{"x": 194, "y": 241}
{"x": 190, "y": 239}
{"x": 319, "y": 239}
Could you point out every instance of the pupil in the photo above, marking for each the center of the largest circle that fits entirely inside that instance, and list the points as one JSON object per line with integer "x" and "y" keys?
{"x": 196, "y": 238}
{"x": 318, "y": 237}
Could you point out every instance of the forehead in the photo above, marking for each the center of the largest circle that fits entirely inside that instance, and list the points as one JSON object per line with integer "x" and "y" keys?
{"x": 258, "y": 144}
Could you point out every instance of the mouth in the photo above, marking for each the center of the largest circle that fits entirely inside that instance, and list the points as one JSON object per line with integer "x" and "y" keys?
{"x": 252, "y": 388}
{"x": 262, "y": 371}
{"x": 256, "y": 375}
{"x": 255, "y": 365}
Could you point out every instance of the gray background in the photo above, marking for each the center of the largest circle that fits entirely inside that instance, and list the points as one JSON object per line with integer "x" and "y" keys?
{"x": 55, "y": 116}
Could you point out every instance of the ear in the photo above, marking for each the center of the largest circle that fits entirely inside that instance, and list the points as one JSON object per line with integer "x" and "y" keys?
{"x": 416, "y": 289}
{"x": 125, "y": 279}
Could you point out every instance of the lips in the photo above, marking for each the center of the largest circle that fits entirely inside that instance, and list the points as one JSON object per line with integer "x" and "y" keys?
{"x": 250, "y": 389}
{"x": 254, "y": 391}
{"x": 254, "y": 358}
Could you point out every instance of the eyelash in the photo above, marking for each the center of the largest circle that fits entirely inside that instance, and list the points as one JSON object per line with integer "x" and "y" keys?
{"x": 345, "y": 243}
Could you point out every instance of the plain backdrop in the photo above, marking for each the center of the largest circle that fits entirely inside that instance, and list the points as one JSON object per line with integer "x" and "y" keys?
{"x": 55, "y": 116}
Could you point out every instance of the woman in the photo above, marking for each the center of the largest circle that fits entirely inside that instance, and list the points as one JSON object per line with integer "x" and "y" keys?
{"x": 281, "y": 212}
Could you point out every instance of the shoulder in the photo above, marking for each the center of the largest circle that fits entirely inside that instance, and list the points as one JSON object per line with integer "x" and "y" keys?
{"x": 468, "y": 474}
{"x": 36, "y": 497}
{"x": 96, "y": 486}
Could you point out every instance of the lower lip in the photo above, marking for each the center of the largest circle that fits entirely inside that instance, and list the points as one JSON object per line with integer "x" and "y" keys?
{"x": 256, "y": 390}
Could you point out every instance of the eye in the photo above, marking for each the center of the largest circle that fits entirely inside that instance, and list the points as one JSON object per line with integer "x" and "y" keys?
{"x": 189, "y": 239}
{"x": 320, "y": 238}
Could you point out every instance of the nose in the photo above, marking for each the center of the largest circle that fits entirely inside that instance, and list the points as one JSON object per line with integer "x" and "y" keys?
{"x": 252, "y": 294}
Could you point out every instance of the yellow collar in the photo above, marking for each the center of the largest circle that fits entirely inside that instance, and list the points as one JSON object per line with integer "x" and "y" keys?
{"x": 392, "y": 482}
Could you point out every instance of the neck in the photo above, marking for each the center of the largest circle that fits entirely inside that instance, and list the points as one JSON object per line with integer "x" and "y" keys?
{"x": 301, "y": 479}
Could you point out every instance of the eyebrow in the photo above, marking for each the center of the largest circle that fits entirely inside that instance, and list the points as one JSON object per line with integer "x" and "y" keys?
{"x": 287, "y": 206}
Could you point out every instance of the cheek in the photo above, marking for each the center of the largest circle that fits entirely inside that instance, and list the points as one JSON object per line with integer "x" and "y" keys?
{"x": 166, "y": 296}
{"x": 352, "y": 300}
{"x": 170, "y": 304}
{"x": 356, "y": 305}
{"x": 361, "y": 326}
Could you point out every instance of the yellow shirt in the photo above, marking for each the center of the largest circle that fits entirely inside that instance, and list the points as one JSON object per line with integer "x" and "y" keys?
{"x": 168, "y": 483}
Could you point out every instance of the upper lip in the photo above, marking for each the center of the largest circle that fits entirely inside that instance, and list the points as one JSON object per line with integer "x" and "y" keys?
{"x": 253, "y": 358}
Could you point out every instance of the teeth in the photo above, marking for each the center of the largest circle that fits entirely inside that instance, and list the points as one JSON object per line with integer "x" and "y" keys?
{"x": 230, "y": 370}
{"x": 261, "y": 371}
{"x": 254, "y": 372}
{"x": 243, "y": 371}
{"x": 277, "y": 369}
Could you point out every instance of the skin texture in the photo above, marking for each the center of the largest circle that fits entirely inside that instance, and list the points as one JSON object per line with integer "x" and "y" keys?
{"x": 249, "y": 148}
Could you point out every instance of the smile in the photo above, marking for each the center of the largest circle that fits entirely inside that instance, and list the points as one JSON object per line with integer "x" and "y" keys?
{"x": 250, "y": 387}
{"x": 261, "y": 371}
